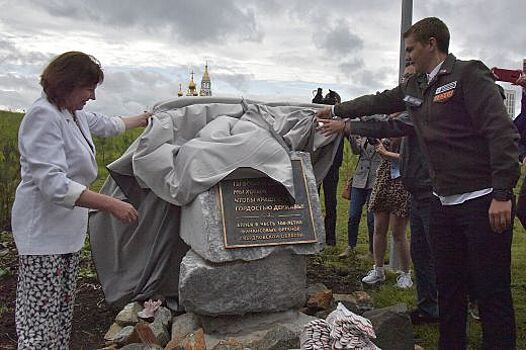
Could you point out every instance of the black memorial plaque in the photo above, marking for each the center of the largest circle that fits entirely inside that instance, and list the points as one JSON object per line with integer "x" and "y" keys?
{"x": 259, "y": 211}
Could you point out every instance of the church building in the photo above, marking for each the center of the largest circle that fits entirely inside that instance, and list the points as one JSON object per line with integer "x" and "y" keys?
{"x": 206, "y": 86}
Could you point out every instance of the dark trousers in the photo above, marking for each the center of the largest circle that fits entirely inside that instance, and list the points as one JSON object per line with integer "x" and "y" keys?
{"x": 422, "y": 256}
{"x": 467, "y": 251}
{"x": 359, "y": 196}
{"x": 330, "y": 185}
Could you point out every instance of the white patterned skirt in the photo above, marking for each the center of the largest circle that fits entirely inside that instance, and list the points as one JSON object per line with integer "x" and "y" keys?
{"x": 45, "y": 297}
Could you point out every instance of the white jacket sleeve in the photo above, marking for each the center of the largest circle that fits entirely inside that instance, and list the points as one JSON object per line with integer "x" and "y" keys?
{"x": 43, "y": 157}
{"x": 101, "y": 125}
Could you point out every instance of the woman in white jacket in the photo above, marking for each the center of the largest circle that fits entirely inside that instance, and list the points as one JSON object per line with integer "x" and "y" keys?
{"x": 50, "y": 212}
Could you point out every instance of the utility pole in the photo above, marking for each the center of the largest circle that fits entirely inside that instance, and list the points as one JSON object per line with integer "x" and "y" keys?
{"x": 407, "y": 19}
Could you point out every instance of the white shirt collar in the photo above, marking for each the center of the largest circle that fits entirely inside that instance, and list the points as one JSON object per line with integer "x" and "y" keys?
{"x": 434, "y": 72}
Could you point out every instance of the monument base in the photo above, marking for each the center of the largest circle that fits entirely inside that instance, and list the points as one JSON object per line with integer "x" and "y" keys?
{"x": 256, "y": 330}
{"x": 273, "y": 284}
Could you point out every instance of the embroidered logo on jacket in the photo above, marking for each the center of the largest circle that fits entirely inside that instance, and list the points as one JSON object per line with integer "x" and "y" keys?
{"x": 445, "y": 92}
{"x": 444, "y": 96}
{"x": 446, "y": 87}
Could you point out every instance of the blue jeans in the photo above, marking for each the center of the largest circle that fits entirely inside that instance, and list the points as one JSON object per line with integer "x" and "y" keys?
{"x": 422, "y": 256}
{"x": 359, "y": 196}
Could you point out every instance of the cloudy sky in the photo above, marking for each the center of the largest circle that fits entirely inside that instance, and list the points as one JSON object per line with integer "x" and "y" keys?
{"x": 255, "y": 48}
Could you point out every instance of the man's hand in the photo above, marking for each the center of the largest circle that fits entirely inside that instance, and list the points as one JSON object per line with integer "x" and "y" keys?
{"x": 499, "y": 215}
{"x": 521, "y": 81}
{"x": 328, "y": 127}
{"x": 324, "y": 113}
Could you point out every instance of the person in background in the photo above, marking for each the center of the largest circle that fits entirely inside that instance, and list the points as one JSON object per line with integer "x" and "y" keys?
{"x": 330, "y": 182}
{"x": 50, "y": 211}
{"x": 363, "y": 179}
{"x": 390, "y": 204}
{"x": 318, "y": 97}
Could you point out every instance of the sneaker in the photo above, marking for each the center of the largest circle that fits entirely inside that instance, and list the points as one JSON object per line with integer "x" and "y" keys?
{"x": 346, "y": 252}
{"x": 404, "y": 280}
{"x": 377, "y": 274}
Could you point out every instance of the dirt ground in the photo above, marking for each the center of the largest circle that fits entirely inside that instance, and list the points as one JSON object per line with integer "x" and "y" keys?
{"x": 92, "y": 316}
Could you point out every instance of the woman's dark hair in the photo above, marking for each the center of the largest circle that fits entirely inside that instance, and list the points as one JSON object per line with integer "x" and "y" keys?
{"x": 66, "y": 72}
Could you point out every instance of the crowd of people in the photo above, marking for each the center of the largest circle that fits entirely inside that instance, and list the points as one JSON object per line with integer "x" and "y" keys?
{"x": 459, "y": 161}
{"x": 438, "y": 151}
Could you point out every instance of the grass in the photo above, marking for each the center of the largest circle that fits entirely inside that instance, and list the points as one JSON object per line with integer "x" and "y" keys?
{"x": 386, "y": 294}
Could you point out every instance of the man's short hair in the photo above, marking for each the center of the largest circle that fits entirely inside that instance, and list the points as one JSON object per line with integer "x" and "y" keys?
{"x": 430, "y": 27}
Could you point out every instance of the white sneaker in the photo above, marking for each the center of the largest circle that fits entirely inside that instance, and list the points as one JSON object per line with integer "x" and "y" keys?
{"x": 404, "y": 280}
{"x": 377, "y": 274}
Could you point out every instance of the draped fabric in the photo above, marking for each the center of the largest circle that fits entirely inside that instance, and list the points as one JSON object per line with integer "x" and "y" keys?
{"x": 189, "y": 146}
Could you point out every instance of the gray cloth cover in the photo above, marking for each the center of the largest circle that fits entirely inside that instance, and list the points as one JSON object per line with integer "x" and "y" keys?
{"x": 189, "y": 146}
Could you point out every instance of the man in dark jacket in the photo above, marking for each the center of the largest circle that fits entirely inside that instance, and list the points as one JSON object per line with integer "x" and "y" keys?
{"x": 470, "y": 147}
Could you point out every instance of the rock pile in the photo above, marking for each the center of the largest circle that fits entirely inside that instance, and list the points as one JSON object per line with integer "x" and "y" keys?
{"x": 266, "y": 331}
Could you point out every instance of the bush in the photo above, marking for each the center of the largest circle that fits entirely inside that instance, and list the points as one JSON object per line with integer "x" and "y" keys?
{"x": 9, "y": 164}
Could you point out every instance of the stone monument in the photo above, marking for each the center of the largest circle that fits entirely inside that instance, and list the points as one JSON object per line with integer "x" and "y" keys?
{"x": 248, "y": 240}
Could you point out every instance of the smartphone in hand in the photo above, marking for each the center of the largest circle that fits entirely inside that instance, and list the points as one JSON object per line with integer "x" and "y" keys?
{"x": 507, "y": 75}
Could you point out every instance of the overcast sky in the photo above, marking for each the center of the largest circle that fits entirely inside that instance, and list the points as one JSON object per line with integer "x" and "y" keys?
{"x": 255, "y": 48}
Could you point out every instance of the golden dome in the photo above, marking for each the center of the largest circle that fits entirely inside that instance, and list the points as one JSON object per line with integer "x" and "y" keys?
{"x": 191, "y": 87}
{"x": 180, "y": 92}
{"x": 192, "y": 83}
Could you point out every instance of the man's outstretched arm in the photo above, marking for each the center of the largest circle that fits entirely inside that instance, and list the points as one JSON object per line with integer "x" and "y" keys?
{"x": 377, "y": 126}
{"x": 387, "y": 102}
